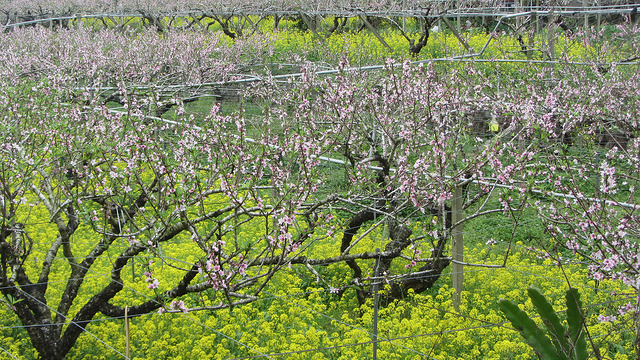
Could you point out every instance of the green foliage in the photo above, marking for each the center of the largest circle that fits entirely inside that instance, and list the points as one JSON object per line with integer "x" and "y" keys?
{"x": 529, "y": 330}
{"x": 550, "y": 320}
{"x": 554, "y": 344}
{"x": 575, "y": 318}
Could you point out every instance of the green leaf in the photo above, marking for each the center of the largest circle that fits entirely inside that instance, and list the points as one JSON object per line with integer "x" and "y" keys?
{"x": 529, "y": 330}
{"x": 551, "y": 321}
{"x": 575, "y": 318}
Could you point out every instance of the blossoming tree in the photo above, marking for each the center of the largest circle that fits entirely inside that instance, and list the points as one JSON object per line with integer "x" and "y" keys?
{"x": 210, "y": 210}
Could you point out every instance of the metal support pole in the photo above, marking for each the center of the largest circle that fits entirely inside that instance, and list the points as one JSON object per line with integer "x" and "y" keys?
{"x": 551, "y": 33}
{"x": 585, "y": 5}
{"x": 374, "y": 32}
{"x": 458, "y": 246}
{"x": 456, "y": 33}
{"x": 311, "y": 25}
{"x": 599, "y": 16}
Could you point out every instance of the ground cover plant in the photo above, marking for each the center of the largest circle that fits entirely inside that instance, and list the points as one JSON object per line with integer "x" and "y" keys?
{"x": 173, "y": 175}
{"x": 298, "y": 312}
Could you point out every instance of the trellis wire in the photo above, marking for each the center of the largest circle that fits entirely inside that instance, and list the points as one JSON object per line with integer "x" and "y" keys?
{"x": 7, "y": 351}
{"x": 509, "y": 268}
{"x": 277, "y": 78}
{"x": 122, "y": 317}
{"x": 461, "y": 179}
{"x": 448, "y": 13}
{"x": 73, "y": 323}
{"x": 370, "y": 342}
{"x": 449, "y": 331}
{"x": 633, "y": 206}
{"x": 271, "y": 296}
{"x": 349, "y": 325}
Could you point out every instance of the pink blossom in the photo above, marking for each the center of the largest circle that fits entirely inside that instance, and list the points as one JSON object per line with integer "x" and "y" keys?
{"x": 154, "y": 284}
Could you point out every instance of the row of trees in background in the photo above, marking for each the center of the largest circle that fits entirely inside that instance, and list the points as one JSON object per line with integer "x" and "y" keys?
{"x": 85, "y": 6}
{"x": 415, "y": 21}
{"x": 245, "y": 194}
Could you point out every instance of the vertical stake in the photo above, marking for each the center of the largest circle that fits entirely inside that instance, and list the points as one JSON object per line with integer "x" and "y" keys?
{"x": 585, "y": 6}
{"x": 126, "y": 331}
{"x": 376, "y": 273}
{"x": 533, "y": 23}
{"x": 404, "y": 19}
{"x": 599, "y": 16}
{"x": 458, "y": 19}
{"x": 551, "y": 36}
{"x": 458, "y": 246}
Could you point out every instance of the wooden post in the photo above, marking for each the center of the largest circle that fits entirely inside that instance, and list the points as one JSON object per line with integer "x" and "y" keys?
{"x": 126, "y": 332}
{"x": 458, "y": 246}
{"x": 376, "y": 273}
